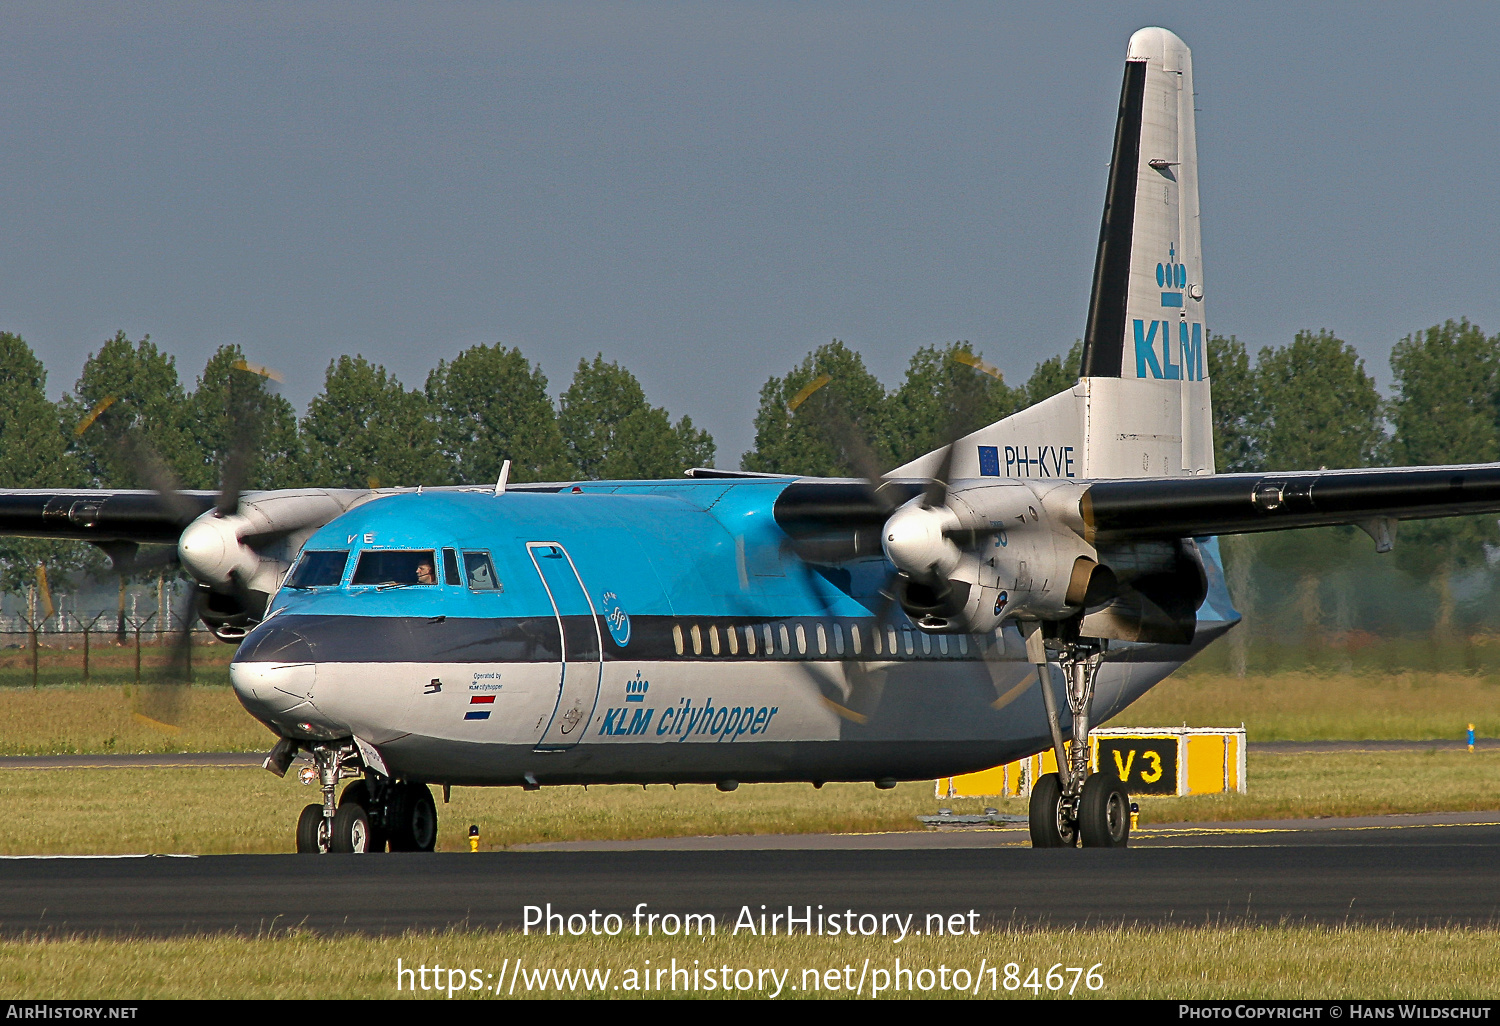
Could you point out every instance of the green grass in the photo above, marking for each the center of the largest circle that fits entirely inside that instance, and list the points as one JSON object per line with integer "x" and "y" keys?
{"x": 1305, "y": 706}
{"x": 1182, "y": 963}
{"x": 60, "y": 660}
{"x": 113, "y": 811}
{"x": 1345, "y": 784}
{"x": 97, "y": 719}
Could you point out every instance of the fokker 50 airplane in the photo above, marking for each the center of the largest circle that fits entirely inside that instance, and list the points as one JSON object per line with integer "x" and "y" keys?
{"x": 985, "y": 602}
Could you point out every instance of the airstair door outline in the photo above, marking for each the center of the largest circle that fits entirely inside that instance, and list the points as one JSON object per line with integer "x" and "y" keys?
{"x": 581, "y": 650}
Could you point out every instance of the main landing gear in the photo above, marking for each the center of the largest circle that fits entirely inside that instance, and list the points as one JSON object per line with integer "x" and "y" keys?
{"x": 1074, "y": 805}
{"x": 373, "y": 813}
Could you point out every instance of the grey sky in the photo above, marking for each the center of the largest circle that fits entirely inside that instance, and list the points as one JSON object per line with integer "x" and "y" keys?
{"x": 705, "y": 192}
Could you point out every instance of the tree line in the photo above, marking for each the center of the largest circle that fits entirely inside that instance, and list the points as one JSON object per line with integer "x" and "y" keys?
{"x": 1305, "y": 404}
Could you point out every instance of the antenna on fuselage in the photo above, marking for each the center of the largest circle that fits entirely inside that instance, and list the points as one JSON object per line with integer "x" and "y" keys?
{"x": 504, "y": 477}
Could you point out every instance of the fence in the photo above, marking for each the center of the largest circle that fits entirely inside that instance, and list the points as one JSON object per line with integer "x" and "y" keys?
{"x": 69, "y": 648}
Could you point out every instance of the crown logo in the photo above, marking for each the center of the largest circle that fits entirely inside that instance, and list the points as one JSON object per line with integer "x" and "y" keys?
{"x": 635, "y": 690}
{"x": 1171, "y": 274}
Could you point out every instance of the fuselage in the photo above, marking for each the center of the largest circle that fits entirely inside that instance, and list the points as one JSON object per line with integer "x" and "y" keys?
{"x": 639, "y": 632}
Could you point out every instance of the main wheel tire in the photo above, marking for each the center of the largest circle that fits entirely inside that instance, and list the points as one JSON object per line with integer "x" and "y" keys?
{"x": 351, "y": 830}
{"x": 359, "y": 794}
{"x": 1050, "y": 827}
{"x": 1104, "y": 812}
{"x": 414, "y": 819}
{"x": 312, "y": 833}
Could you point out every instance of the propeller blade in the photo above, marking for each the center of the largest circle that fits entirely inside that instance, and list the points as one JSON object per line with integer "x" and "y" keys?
{"x": 964, "y": 416}
{"x": 992, "y": 648}
{"x": 162, "y": 703}
{"x": 245, "y": 430}
{"x": 153, "y": 471}
{"x": 116, "y": 418}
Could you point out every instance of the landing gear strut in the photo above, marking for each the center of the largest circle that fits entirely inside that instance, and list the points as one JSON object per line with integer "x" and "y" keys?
{"x": 1074, "y": 804}
{"x": 373, "y": 812}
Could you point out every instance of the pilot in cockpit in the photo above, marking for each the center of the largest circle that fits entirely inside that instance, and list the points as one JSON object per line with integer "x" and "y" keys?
{"x": 425, "y": 572}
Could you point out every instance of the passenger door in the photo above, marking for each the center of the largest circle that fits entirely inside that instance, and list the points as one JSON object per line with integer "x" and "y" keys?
{"x": 582, "y": 646}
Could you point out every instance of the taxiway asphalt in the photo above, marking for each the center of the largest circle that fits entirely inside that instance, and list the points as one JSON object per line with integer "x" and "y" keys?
{"x": 1414, "y": 873}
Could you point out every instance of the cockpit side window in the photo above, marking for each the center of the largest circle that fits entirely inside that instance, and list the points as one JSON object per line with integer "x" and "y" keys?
{"x": 451, "y": 576}
{"x": 400, "y": 567}
{"x": 319, "y": 569}
{"x": 479, "y": 571}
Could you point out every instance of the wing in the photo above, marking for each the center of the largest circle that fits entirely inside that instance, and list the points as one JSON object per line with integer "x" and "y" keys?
{"x": 240, "y": 554}
{"x": 101, "y": 517}
{"x": 1180, "y": 507}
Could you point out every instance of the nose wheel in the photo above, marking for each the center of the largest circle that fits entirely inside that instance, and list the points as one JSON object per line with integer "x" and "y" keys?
{"x": 314, "y": 831}
{"x": 373, "y": 813}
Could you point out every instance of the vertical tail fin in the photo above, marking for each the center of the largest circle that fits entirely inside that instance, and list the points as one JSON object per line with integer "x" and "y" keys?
{"x": 1146, "y": 310}
{"x": 1142, "y": 406}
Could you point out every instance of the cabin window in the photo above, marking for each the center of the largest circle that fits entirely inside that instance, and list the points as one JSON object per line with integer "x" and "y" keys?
{"x": 875, "y": 637}
{"x": 905, "y": 637}
{"x": 479, "y": 571}
{"x": 822, "y": 640}
{"x": 801, "y": 640}
{"x": 786, "y": 643}
{"x": 733, "y": 637}
{"x": 854, "y": 637}
{"x": 749, "y": 640}
{"x": 697, "y": 640}
{"x": 765, "y": 635}
{"x": 451, "y": 573}
{"x": 319, "y": 570}
{"x": 838, "y": 639}
{"x": 943, "y": 643}
{"x": 395, "y": 567}
{"x": 963, "y": 644}
{"x": 890, "y": 641}
{"x": 926, "y": 644}
{"x": 677, "y": 637}
{"x": 713, "y": 639}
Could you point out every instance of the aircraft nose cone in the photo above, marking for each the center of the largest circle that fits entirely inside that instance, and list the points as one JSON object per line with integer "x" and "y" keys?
{"x": 274, "y": 690}
{"x": 273, "y": 676}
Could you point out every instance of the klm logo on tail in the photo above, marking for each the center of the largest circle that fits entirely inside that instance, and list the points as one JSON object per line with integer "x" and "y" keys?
{"x": 1171, "y": 275}
{"x": 1155, "y": 348}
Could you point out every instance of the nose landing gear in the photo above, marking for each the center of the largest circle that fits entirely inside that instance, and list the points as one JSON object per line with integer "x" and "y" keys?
{"x": 1074, "y": 804}
{"x": 373, "y": 813}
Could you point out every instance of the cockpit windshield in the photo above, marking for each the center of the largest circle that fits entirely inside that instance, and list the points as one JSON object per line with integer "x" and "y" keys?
{"x": 395, "y": 568}
{"x": 319, "y": 570}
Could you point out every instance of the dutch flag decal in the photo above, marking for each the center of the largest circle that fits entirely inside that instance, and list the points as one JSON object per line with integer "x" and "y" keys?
{"x": 479, "y": 714}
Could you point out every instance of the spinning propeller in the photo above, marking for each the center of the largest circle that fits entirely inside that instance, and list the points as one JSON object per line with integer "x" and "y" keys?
{"x": 917, "y": 534}
{"x": 211, "y": 547}
{"x": 920, "y": 537}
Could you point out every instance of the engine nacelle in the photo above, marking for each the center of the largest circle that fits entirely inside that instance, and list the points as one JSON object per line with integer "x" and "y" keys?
{"x": 238, "y": 560}
{"x": 996, "y": 551}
